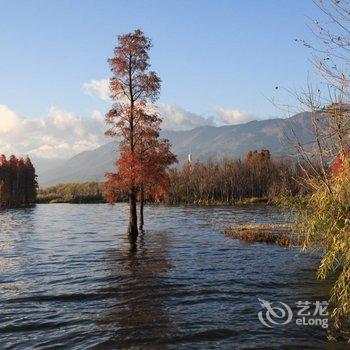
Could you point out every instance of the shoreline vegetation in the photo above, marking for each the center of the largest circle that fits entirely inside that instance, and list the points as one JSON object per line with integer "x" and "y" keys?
{"x": 74, "y": 193}
{"x": 92, "y": 193}
{"x": 257, "y": 178}
{"x": 48, "y": 196}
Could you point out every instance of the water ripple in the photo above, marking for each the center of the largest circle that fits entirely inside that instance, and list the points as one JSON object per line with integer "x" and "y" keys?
{"x": 70, "y": 279}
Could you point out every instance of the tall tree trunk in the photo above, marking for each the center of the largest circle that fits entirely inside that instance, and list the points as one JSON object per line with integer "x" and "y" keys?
{"x": 142, "y": 199}
{"x": 132, "y": 229}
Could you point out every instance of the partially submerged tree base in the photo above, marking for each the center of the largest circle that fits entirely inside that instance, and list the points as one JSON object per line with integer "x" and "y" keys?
{"x": 132, "y": 228}
{"x": 281, "y": 235}
{"x": 133, "y": 232}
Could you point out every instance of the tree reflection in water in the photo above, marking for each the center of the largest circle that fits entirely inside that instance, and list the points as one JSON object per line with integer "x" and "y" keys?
{"x": 137, "y": 274}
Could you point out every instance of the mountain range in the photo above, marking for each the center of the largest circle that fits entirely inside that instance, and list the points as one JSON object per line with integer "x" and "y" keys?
{"x": 231, "y": 141}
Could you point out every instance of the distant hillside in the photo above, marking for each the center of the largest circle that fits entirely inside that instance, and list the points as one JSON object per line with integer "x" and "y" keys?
{"x": 225, "y": 141}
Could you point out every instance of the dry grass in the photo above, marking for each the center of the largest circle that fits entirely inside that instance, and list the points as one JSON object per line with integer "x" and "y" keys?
{"x": 271, "y": 234}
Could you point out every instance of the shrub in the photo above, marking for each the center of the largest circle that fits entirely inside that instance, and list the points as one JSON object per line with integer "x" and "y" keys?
{"x": 325, "y": 221}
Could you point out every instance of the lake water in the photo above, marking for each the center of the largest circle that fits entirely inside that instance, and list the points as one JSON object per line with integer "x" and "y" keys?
{"x": 69, "y": 279}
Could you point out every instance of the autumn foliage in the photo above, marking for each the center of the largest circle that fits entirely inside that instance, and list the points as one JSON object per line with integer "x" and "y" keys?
{"x": 338, "y": 164}
{"x": 18, "y": 185}
{"x": 141, "y": 169}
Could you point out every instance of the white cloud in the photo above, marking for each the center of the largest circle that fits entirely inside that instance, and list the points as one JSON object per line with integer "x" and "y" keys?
{"x": 60, "y": 134}
{"x": 233, "y": 116}
{"x": 177, "y": 118}
{"x": 174, "y": 117}
{"x": 98, "y": 88}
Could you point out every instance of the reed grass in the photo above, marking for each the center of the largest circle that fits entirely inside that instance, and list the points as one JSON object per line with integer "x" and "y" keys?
{"x": 279, "y": 234}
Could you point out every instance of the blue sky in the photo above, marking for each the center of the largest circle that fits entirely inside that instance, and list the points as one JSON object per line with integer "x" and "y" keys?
{"x": 211, "y": 55}
{"x": 208, "y": 53}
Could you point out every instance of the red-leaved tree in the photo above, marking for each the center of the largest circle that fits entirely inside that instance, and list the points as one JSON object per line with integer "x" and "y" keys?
{"x": 155, "y": 160}
{"x": 133, "y": 88}
{"x": 18, "y": 184}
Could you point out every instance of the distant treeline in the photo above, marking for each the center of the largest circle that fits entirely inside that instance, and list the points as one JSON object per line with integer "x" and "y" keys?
{"x": 230, "y": 181}
{"x": 256, "y": 177}
{"x": 85, "y": 192}
{"x": 18, "y": 185}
